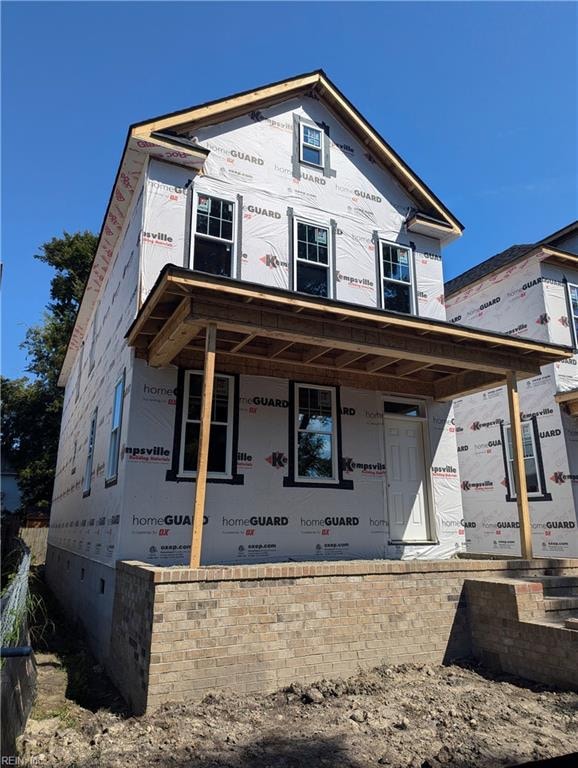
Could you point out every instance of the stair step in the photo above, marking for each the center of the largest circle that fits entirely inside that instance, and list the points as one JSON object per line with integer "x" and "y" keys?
{"x": 572, "y": 623}
{"x": 556, "y": 581}
{"x": 560, "y": 604}
{"x": 561, "y": 591}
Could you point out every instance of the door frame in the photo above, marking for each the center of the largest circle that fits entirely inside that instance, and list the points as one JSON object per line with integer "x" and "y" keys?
{"x": 430, "y": 537}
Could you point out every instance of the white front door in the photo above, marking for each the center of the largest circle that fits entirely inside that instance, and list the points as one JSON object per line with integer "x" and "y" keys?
{"x": 406, "y": 480}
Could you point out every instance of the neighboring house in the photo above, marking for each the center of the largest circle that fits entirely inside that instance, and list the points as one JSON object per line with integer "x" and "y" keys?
{"x": 275, "y": 237}
{"x": 527, "y": 291}
{"x": 10, "y": 491}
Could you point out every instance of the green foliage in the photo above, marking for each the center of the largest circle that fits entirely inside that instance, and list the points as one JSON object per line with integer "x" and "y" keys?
{"x": 31, "y": 408}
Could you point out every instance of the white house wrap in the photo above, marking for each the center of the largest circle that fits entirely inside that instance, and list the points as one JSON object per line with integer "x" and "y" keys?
{"x": 530, "y": 297}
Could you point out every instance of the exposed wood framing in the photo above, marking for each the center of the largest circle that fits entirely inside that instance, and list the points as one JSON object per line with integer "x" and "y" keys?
{"x": 379, "y": 363}
{"x": 204, "y": 435}
{"x": 259, "y": 331}
{"x": 280, "y": 325}
{"x": 569, "y": 400}
{"x": 173, "y": 335}
{"x": 315, "y": 374}
{"x": 519, "y": 468}
{"x": 347, "y": 358}
{"x": 313, "y": 354}
{"x": 466, "y": 383}
{"x": 407, "y": 367}
{"x": 243, "y": 343}
{"x": 334, "y": 310}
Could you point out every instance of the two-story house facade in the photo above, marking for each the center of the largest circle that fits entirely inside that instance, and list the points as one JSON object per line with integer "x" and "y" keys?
{"x": 528, "y": 290}
{"x": 261, "y": 367}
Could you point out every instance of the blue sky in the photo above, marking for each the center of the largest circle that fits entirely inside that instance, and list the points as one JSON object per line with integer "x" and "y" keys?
{"x": 479, "y": 98}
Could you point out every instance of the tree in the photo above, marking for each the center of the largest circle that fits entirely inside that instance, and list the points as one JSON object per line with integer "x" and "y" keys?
{"x": 32, "y": 407}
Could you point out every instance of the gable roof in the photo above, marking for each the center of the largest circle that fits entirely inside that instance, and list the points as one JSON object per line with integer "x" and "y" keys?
{"x": 505, "y": 258}
{"x": 163, "y": 136}
{"x": 317, "y": 83}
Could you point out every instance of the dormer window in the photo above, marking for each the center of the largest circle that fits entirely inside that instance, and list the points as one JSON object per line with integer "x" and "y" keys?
{"x": 214, "y": 241}
{"x": 311, "y": 145}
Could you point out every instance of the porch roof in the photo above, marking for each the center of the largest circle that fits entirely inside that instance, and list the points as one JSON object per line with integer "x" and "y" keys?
{"x": 267, "y": 331}
{"x": 569, "y": 399}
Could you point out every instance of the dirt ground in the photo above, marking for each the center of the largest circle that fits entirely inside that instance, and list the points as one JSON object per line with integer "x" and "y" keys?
{"x": 409, "y": 716}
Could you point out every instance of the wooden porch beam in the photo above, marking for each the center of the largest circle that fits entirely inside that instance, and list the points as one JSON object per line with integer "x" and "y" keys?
{"x": 380, "y": 363}
{"x": 451, "y": 332}
{"x": 519, "y": 468}
{"x": 175, "y": 334}
{"x": 346, "y": 358}
{"x": 204, "y": 437}
{"x": 313, "y": 354}
{"x": 259, "y": 365}
{"x": 405, "y": 367}
{"x": 278, "y": 348}
{"x": 243, "y": 343}
{"x": 465, "y": 383}
{"x": 328, "y": 333}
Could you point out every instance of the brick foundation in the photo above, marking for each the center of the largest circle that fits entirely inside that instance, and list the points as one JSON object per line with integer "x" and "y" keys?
{"x": 178, "y": 632}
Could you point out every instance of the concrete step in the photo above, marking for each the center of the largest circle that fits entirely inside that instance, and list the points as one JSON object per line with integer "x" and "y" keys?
{"x": 559, "y": 586}
{"x": 561, "y": 605}
{"x": 571, "y": 623}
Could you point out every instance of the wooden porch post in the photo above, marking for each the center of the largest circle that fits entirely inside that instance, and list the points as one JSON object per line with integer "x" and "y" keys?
{"x": 204, "y": 436}
{"x": 519, "y": 468}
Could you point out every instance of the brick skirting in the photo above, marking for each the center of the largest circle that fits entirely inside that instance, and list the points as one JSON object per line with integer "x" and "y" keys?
{"x": 178, "y": 632}
{"x": 511, "y": 632}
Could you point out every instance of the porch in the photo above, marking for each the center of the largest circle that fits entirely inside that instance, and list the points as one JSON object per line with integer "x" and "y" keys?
{"x": 197, "y": 321}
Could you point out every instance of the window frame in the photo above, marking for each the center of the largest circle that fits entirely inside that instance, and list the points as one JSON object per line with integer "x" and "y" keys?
{"x": 92, "y": 349}
{"x": 334, "y": 479}
{"x": 74, "y": 456}
{"x": 573, "y": 318}
{"x": 228, "y": 474}
{"x": 87, "y": 477}
{"x": 329, "y": 266}
{"x": 194, "y": 233}
{"x": 382, "y": 278}
{"x": 302, "y": 143}
{"x": 112, "y": 477}
{"x": 292, "y": 479}
{"x": 79, "y": 375}
{"x": 420, "y": 405}
{"x": 511, "y": 492}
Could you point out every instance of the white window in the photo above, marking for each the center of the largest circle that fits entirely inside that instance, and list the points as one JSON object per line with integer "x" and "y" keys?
{"x": 214, "y": 241}
{"x": 396, "y": 278}
{"x": 312, "y": 259}
{"x": 74, "y": 450}
{"x": 221, "y": 436}
{"x": 79, "y": 373}
{"x": 311, "y": 145}
{"x": 115, "y": 428}
{"x": 530, "y": 459}
{"x": 316, "y": 434}
{"x": 87, "y": 479}
{"x": 573, "y": 295}
{"x": 93, "y": 340}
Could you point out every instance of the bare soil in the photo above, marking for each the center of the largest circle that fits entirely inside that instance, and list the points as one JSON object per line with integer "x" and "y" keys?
{"x": 408, "y": 716}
